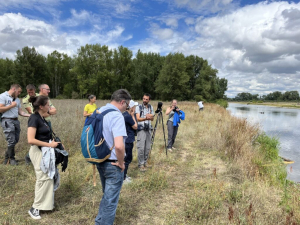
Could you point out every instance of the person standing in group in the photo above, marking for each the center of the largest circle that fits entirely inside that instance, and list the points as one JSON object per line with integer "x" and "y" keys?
{"x": 172, "y": 130}
{"x": 131, "y": 126}
{"x": 10, "y": 108}
{"x": 45, "y": 90}
{"x": 30, "y": 88}
{"x": 201, "y": 106}
{"x": 112, "y": 170}
{"x": 39, "y": 136}
{"x": 90, "y": 107}
{"x": 145, "y": 114}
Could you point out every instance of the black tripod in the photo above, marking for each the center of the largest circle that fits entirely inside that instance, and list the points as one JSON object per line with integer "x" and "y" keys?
{"x": 159, "y": 119}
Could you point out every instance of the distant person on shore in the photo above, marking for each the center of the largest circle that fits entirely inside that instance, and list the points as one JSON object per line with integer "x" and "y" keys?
{"x": 30, "y": 88}
{"x": 41, "y": 153}
{"x": 201, "y": 106}
{"x": 10, "y": 109}
{"x": 131, "y": 126}
{"x": 45, "y": 90}
{"x": 90, "y": 107}
{"x": 172, "y": 130}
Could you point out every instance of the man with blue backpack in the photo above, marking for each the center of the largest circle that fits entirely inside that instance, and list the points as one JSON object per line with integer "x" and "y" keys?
{"x": 112, "y": 167}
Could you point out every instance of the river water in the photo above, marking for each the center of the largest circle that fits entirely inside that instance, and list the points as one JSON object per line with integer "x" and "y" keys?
{"x": 282, "y": 123}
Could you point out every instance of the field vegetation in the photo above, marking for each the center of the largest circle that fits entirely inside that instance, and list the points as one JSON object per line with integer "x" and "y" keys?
{"x": 223, "y": 171}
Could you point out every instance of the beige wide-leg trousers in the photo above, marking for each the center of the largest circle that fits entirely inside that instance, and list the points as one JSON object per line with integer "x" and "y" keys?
{"x": 44, "y": 193}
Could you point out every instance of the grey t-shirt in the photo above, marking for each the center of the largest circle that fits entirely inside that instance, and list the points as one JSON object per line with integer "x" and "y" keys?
{"x": 171, "y": 116}
{"x": 145, "y": 111}
{"x": 6, "y": 100}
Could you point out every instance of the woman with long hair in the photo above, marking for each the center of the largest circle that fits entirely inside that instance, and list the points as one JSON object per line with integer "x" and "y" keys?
{"x": 39, "y": 136}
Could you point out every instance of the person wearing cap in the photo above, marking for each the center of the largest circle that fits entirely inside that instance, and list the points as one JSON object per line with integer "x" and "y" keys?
{"x": 10, "y": 109}
{"x": 131, "y": 126}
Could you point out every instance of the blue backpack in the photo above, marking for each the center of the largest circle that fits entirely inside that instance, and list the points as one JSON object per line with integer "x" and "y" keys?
{"x": 93, "y": 145}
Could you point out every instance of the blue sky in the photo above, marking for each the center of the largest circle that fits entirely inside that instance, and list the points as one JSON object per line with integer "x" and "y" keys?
{"x": 253, "y": 44}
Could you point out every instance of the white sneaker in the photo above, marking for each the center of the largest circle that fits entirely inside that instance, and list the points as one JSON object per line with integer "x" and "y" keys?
{"x": 170, "y": 150}
{"x": 173, "y": 148}
{"x": 34, "y": 213}
{"x": 127, "y": 181}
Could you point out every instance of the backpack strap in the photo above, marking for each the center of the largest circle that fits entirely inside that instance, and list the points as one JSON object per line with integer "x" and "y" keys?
{"x": 107, "y": 111}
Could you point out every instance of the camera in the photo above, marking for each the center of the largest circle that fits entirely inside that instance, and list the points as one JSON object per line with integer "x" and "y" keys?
{"x": 159, "y": 107}
{"x": 176, "y": 107}
{"x": 146, "y": 126}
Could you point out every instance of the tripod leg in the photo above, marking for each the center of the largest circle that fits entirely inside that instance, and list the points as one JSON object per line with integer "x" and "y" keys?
{"x": 163, "y": 125}
{"x": 153, "y": 136}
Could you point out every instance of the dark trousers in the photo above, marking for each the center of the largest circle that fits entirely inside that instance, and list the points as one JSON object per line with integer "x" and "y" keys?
{"x": 172, "y": 132}
{"x": 11, "y": 129}
{"x": 128, "y": 157}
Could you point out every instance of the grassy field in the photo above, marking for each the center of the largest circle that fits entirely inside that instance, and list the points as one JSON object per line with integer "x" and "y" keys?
{"x": 222, "y": 172}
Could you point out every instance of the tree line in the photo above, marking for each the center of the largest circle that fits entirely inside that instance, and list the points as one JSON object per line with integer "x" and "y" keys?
{"x": 99, "y": 70}
{"x": 274, "y": 96}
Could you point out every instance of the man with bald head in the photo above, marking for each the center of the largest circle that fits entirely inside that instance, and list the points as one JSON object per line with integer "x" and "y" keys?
{"x": 45, "y": 90}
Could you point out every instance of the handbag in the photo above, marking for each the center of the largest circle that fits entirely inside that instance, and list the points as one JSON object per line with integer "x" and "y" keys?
{"x": 61, "y": 155}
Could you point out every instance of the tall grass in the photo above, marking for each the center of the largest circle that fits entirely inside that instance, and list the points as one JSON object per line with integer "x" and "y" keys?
{"x": 224, "y": 171}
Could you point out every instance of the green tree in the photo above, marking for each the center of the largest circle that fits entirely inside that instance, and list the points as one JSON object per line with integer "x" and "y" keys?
{"x": 146, "y": 68}
{"x": 173, "y": 79}
{"x": 122, "y": 67}
{"x": 30, "y": 67}
{"x": 7, "y": 71}
{"x": 94, "y": 71}
{"x": 59, "y": 66}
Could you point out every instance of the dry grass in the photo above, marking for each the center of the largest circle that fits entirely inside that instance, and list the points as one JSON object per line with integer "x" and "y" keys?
{"x": 211, "y": 178}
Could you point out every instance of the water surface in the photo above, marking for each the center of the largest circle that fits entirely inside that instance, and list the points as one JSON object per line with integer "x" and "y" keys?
{"x": 282, "y": 123}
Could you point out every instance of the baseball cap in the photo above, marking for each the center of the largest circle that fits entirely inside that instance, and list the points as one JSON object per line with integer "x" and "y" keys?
{"x": 132, "y": 103}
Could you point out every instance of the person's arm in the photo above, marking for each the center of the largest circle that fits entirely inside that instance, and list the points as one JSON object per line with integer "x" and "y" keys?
{"x": 120, "y": 152}
{"x": 31, "y": 139}
{"x": 4, "y": 108}
{"x": 28, "y": 109}
{"x": 85, "y": 114}
{"x": 22, "y": 113}
{"x": 135, "y": 123}
{"x": 139, "y": 119}
{"x": 169, "y": 109}
{"x": 134, "y": 126}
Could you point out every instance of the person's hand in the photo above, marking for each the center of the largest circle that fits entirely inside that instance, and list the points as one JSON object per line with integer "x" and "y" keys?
{"x": 122, "y": 166}
{"x": 13, "y": 104}
{"x": 177, "y": 109}
{"x": 172, "y": 107}
{"x": 149, "y": 116}
{"x": 53, "y": 144}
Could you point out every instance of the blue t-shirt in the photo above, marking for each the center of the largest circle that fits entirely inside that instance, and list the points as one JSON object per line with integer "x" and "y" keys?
{"x": 129, "y": 122}
{"x": 113, "y": 126}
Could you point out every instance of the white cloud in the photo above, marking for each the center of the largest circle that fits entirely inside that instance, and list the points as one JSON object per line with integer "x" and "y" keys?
{"x": 121, "y": 8}
{"x": 172, "y": 22}
{"x": 17, "y": 31}
{"x": 205, "y": 6}
{"x": 189, "y": 21}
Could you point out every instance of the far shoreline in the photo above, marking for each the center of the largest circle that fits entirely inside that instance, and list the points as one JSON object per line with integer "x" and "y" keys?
{"x": 274, "y": 104}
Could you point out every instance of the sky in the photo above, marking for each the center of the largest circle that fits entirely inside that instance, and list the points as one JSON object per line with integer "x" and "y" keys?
{"x": 254, "y": 44}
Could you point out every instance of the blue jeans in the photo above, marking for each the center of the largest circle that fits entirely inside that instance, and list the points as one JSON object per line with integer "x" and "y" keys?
{"x": 111, "y": 180}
